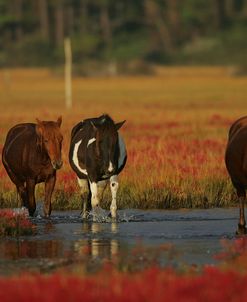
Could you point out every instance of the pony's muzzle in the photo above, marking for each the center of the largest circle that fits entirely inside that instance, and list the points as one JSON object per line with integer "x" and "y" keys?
{"x": 57, "y": 164}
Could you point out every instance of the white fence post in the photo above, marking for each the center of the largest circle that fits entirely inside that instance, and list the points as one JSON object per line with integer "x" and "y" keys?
{"x": 68, "y": 73}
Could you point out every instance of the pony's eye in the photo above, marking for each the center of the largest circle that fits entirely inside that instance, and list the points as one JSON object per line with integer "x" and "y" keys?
{"x": 46, "y": 140}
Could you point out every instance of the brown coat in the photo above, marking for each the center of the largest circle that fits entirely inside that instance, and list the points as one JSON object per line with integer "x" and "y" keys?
{"x": 32, "y": 154}
{"x": 236, "y": 163}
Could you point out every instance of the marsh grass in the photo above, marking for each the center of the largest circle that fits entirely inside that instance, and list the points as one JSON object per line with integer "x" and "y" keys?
{"x": 15, "y": 223}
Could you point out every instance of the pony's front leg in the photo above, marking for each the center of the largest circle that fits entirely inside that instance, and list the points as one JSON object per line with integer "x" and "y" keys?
{"x": 114, "y": 188}
{"x": 94, "y": 197}
{"x": 86, "y": 202}
{"x": 49, "y": 187}
{"x": 30, "y": 183}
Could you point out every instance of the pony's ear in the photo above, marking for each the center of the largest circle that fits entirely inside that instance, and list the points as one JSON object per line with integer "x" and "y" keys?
{"x": 39, "y": 127}
{"x": 59, "y": 121}
{"x": 119, "y": 125}
{"x": 39, "y": 122}
{"x": 94, "y": 126}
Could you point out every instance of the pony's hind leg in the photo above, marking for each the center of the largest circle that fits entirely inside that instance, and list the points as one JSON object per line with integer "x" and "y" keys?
{"x": 20, "y": 187}
{"x": 241, "y": 196}
{"x": 114, "y": 188}
{"x": 101, "y": 188}
{"x": 22, "y": 193}
{"x": 86, "y": 201}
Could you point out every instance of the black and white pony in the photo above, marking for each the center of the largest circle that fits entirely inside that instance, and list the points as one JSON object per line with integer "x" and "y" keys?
{"x": 97, "y": 154}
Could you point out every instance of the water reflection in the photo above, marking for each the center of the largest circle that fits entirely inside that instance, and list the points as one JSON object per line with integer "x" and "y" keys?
{"x": 16, "y": 249}
{"x": 93, "y": 244}
{"x": 65, "y": 242}
{"x": 49, "y": 227}
{"x": 97, "y": 246}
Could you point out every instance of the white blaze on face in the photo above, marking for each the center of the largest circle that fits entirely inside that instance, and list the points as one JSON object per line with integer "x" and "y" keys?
{"x": 110, "y": 168}
{"x": 75, "y": 158}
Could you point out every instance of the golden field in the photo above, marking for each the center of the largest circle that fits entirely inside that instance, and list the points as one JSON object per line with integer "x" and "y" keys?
{"x": 176, "y": 130}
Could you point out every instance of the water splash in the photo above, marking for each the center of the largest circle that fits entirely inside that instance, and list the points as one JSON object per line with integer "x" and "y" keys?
{"x": 102, "y": 216}
{"x": 99, "y": 215}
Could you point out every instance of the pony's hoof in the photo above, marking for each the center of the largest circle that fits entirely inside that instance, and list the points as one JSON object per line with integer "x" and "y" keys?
{"x": 47, "y": 216}
{"x": 85, "y": 215}
{"x": 114, "y": 218}
{"x": 241, "y": 230}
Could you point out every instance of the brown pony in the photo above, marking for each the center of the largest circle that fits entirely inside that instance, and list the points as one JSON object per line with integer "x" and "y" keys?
{"x": 236, "y": 164}
{"x": 31, "y": 155}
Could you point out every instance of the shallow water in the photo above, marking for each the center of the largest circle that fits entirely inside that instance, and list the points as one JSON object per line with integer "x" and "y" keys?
{"x": 138, "y": 239}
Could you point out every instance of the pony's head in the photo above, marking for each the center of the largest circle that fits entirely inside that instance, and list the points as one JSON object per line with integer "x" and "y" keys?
{"x": 107, "y": 148}
{"x": 50, "y": 140}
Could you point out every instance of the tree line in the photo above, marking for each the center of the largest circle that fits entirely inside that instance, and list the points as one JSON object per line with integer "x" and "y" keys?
{"x": 32, "y": 32}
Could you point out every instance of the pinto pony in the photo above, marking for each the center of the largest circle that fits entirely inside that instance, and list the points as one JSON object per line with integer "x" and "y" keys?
{"x": 31, "y": 155}
{"x": 97, "y": 154}
{"x": 236, "y": 164}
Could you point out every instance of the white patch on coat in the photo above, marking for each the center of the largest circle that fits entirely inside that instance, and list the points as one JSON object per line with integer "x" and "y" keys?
{"x": 110, "y": 168}
{"x": 122, "y": 151}
{"x": 75, "y": 158}
{"x": 91, "y": 141}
